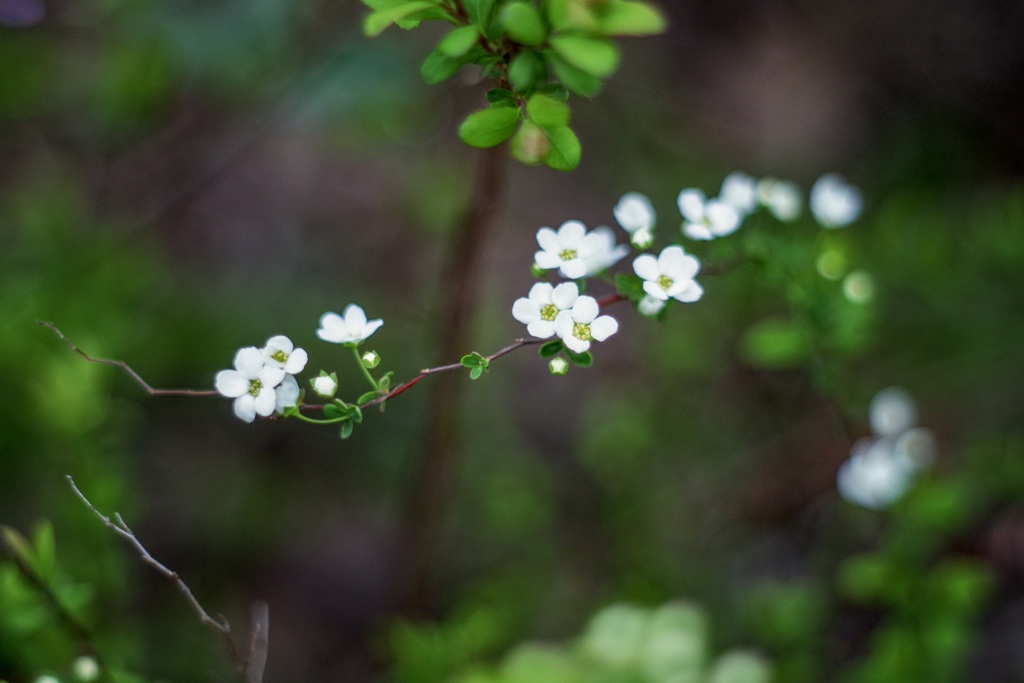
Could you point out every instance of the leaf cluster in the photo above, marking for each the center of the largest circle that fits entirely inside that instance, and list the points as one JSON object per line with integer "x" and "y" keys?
{"x": 536, "y": 53}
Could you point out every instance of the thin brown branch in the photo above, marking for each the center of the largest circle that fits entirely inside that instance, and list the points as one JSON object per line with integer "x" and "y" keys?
{"x": 221, "y": 626}
{"x": 259, "y": 642}
{"x": 124, "y": 366}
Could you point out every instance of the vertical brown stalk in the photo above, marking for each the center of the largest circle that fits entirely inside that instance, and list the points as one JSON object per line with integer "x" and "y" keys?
{"x": 435, "y": 481}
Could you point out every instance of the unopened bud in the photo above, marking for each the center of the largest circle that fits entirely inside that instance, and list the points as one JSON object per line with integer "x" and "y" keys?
{"x": 325, "y": 385}
{"x": 642, "y": 238}
{"x": 558, "y": 366}
{"x": 370, "y": 359}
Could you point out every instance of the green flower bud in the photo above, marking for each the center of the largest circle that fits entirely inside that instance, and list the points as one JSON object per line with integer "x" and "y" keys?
{"x": 558, "y": 366}
{"x": 370, "y": 359}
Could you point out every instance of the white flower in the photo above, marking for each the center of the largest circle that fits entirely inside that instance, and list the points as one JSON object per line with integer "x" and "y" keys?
{"x": 706, "y": 219}
{"x": 85, "y": 669}
{"x": 650, "y": 306}
{"x": 543, "y": 304}
{"x": 281, "y": 353}
{"x": 606, "y": 252}
{"x": 670, "y": 274}
{"x": 351, "y": 329}
{"x": 781, "y": 197}
{"x": 892, "y": 412}
{"x": 634, "y": 212}
{"x": 251, "y": 384}
{"x": 325, "y": 385}
{"x": 739, "y": 191}
{"x": 873, "y": 477}
{"x": 287, "y": 394}
{"x": 568, "y": 249}
{"x": 580, "y": 325}
{"x": 834, "y": 203}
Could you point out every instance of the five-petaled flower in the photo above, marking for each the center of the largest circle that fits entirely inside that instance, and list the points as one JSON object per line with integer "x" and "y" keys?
{"x": 280, "y": 352}
{"x": 580, "y": 325}
{"x": 353, "y": 328}
{"x": 670, "y": 275}
{"x": 706, "y": 219}
{"x": 568, "y": 249}
{"x": 541, "y": 307}
{"x": 252, "y": 384}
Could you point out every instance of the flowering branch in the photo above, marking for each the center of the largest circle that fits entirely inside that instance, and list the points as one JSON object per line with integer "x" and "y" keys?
{"x": 252, "y": 664}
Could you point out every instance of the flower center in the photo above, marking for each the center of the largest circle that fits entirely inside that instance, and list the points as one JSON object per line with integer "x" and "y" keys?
{"x": 255, "y": 387}
{"x": 567, "y": 254}
{"x": 664, "y": 281}
{"x": 581, "y": 331}
{"x": 280, "y": 356}
{"x": 549, "y": 312}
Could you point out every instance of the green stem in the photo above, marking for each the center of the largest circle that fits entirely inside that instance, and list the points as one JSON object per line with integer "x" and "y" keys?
{"x": 314, "y": 421}
{"x": 366, "y": 371}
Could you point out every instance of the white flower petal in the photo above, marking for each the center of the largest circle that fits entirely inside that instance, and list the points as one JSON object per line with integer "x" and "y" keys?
{"x": 287, "y": 394}
{"x": 280, "y": 342}
{"x": 585, "y": 309}
{"x": 249, "y": 361}
{"x": 540, "y": 293}
{"x": 547, "y": 259}
{"x": 570, "y": 234}
{"x": 604, "y": 327}
{"x": 265, "y": 401}
{"x": 245, "y": 407}
{"x": 654, "y": 289}
{"x": 548, "y": 240}
{"x": 574, "y": 343}
{"x": 355, "y": 319}
{"x": 691, "y": 204}
{"x": 646, "y": 266}
{"x": 230, "y": 383}
{"x": 563, "y": 324}
{"x": 696, "y": 231}
{"x": 692, "y": 292}
{"x": 297, "y": 360}
{"x": 564, "y": 295}
{"x": 542, "y": 329}
{"x": 573, "y": 269}
{"x": 371, "y": 327}
{"x": 271, "y": 376}
{"x": 634, "y": 212}
{"x": 526, "y": 311}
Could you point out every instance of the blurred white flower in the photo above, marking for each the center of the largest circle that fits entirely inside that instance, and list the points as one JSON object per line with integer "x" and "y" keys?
{"x": 580, "y": 325}
{"x": 892, "y": 411}
{"x": 706, "y": 219}
{"x": 251, "y": 384}
{"x": 353, "y": 328}
{"x": 567, "y": 250}
{"x": 835, "y": 203}
{"x": 606, "y": 252}
{"x": 542, "y": 305}
{"x": 650, "y": 306}
{"x": 85, "y": 669}
{"x": 873, "y": 477}
{"x": 739, "y": 191}
{"x": 634, "y": 212}
{"x": 287, "y": 394}
{"x": 670, "y": 275}
{"x": 280, "y": 352}
{"x": 780, "y": 197}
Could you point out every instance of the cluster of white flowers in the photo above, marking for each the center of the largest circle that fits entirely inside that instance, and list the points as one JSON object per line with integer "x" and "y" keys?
{"x": 881, "y": 468}
{"x": 833, "y": 203}
{"x": 263, "y": 379}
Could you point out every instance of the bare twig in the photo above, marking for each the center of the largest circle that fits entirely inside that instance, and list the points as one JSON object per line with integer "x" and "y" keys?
{"x": 253, "y": 663}
{"x": 124, "y": 366}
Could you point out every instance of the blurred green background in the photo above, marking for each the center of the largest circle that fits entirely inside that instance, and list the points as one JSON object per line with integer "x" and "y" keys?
{"x": 180, "y": 179}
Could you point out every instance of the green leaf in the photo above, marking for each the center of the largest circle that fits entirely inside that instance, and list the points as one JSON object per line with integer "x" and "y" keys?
{"x": 414, "y": 19}
{"x": 376, "y": 22}
{"x": 333, "y": 410}
{"x": 775, "y": 343}
{"x": 546, "y": 111}
{"x": 523, "y": 24}
{"x": 385, "y": 382}
{"x": 480, "y": 12}
{"x": 632, "y": 19}
{"x": 595, "y": 56}
{"x": 865, "y": 578}
{"x": 501, "y": 96}
{"x": 630, "y": 286}
{"x": 459, "y": 41}
{"x": 576, "y": 80}
{"x": 439, "y": 67}
{"x": 18, "y": 545}
{"x": 551, "y": 349}
{"x": 526, "y": 69}
{"x": 45, "y": 549}
{"x": 346, "y": 429}
{"x": 355, "y": 414}
{"x": 470, "y": 360}
{"x": 556, "y": 91}
{"x": 367, "y": 397}
{"x": 565, "y": 149}
{"x": 476, "y": 372}
{"x": 584, "y": 360}
{"x": 489, "y": 127}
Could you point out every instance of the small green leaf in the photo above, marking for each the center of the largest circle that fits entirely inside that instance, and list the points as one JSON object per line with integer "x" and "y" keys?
{"x": 346, "y": 429}
{"x": 595, "y": 56}
{"x": 355, "y": 414}
{"x": 367, "y": 397}
{"x": 385, "y": 382}
{"x": 551, "y": 349}
{"x": 546, "y": 111}
{"x": 459, "y": 41}
{"x": 556, "y": 91}
{"x": 523, "y": 24}
{"x": 576, "y": 80}
{"x": 565, "y": 149}
{"x": 438, "y": 67}
{"x": 489, "y": 127}
{"x": 632, "y": 19}
{"x": 45, "y": 549}
{"x": 476, "y": 372}
{"x": 629, "y": 286}
{"x": 584, "y": 360}
{"x": 775, "y": 343}
{"x": 291, "y": 411}
{"x": 526, "y": 69}
{"x": 413, "y": 20}
{"x": 470, "y": 360}
{"x": 480, "y": 12}
{"x": 376, "y": 22}
{"x": 501, "y": 96}
{"x": 333, "y": 410}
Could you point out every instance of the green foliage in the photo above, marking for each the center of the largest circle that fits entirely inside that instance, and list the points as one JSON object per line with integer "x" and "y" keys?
{"x": 518, "y": 44}
{"x": 476, "y": 363}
